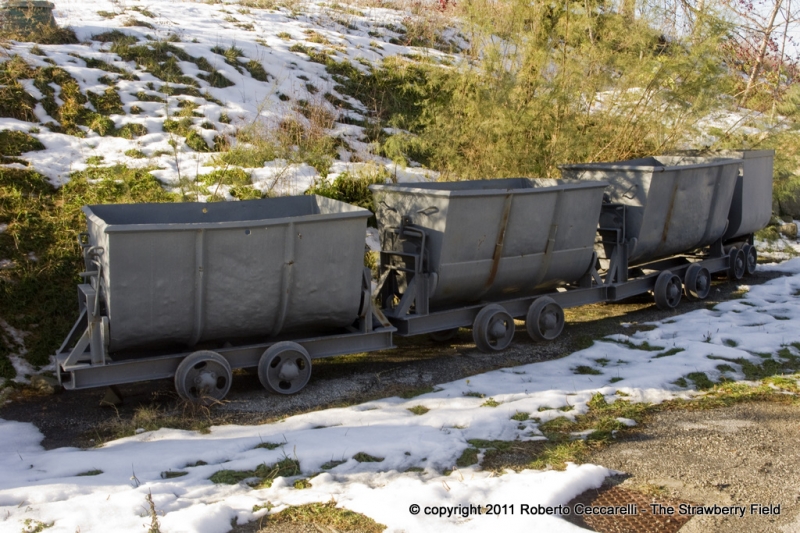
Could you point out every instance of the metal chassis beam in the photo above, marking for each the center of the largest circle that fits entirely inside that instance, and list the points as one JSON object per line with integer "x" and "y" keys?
{"x": 412, "y": 324}
{"x": 88, "y": 364}
{"x": 85, "y": 375}
{"x": 620, "y": 281}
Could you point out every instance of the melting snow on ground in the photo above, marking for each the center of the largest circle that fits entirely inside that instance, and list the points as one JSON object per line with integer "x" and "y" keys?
{"x": 240, "y": 66}
{"x": 47, "y": 485}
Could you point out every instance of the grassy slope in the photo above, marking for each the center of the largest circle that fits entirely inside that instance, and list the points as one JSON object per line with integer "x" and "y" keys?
{"x": 39, "y": 245}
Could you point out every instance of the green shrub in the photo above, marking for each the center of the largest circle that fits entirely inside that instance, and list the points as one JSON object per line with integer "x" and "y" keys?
{"x": 532, "y": 100}
{"x": 352, "y": 188}
{"x": 38, "y": 297}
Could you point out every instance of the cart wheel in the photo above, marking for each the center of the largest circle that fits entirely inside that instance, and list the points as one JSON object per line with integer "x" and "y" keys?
{"x": 444, "y": 335}
{"x": 750, "y": 259}
{"x": 737, "y": 264}
{"x": 667, "y": 291}
{"x": 493, "y": 329}
{"x": 697, "y": 282}
{"x": 545, "y": 319}
{"x": 203, "y": 377}
{"x": 284, "y": 368}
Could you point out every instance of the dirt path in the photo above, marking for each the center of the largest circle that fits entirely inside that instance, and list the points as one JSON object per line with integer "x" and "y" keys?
{"x": 740, "y": 455}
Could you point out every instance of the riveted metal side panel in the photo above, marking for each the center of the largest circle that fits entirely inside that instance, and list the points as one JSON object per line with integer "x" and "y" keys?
{"x": 497, "y": 239}
{"x": 181, "y": 274}
{"x": 676, "y": 203}
{"x": 751, "y": 207}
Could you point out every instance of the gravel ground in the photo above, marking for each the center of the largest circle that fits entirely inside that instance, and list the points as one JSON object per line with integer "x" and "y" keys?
{"x": 740, "y": 455}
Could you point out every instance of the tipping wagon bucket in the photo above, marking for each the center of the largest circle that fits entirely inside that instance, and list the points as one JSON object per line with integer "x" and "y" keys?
{"x": 674, "y": 204}
{"x": 751, "y": 207}
{"x": 181, "y": 274}
{"x": 494, "y": 239}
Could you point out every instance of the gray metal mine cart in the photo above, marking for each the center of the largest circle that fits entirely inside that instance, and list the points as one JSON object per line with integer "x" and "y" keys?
{"x": 482, "y": 253}
{"x": 269, "y": 283}
{"x": 667, "y": 216}
{"x": 450, "y": 248}
{"x": 674, "y": 204}
{"x": 751, "y": 207}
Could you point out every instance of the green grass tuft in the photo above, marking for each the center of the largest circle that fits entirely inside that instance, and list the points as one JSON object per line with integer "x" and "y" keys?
{"x": 216, "y": 79}
{"x": 362, "y": 457}
{"x": 231, "y": 477}
{"x": 701, "y": 380}
{"x": 13, "y": 143}
{"x": 419, "y": 409}
{"x": 418, "y": 391}
{"x": 170, "y": 474}
{"x": 468, "y": 457}
{"x": 256, "y": 70}
{"x": 269, "y": 445}
{"x": 266, "y": 474}
{"x": 671, "y": 351}
{"x": 586, "y": 370}
{"x": 559, "y": 424}
{"x": 226, "y": 176}
{"x": 35, "y": 526}
{"x": 301, "y": 484}
{"x": 646, "y": 346}
{"x": 324, "y": 516}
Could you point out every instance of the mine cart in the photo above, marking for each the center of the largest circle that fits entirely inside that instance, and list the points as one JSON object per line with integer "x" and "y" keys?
{"x": 271, "y": 283}
{"x": 452, "y": 252}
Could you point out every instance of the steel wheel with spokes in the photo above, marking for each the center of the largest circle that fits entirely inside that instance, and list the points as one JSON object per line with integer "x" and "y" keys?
{"x": 493, "y": 329}
{"x": 667, "y": 292}
{"x": 697, "y": 283}
{"x": 737, "y": 264}
{"x": 750, "y": 259}
{"x": 545, "y": 319}
{"x": 284, "y": 368}
{"x": 203, "y": 377}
